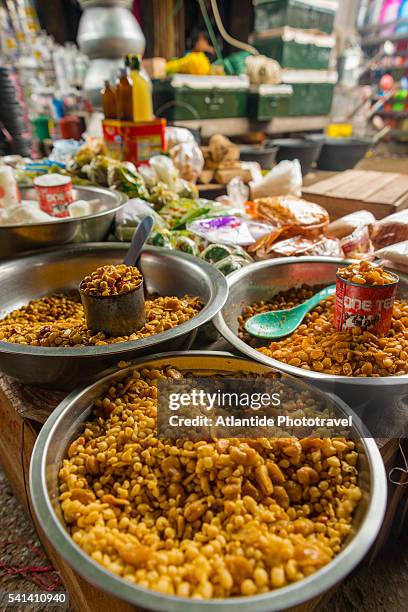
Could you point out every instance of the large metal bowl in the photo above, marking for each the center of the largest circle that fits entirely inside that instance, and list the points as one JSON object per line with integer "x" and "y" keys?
{"x": 16, "y": 239}
{"x": 262, "y": 280}
{"x": 65, "y": 424}
{"x": 165, "y": 272}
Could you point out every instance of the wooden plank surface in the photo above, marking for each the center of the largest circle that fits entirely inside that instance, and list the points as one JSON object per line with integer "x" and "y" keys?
{"x": 382, "y": 193}
{"x": 391, "y": 192}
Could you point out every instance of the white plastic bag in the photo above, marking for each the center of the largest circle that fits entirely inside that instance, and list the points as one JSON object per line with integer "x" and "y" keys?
{"x": 165, "y": 170}
{"x": 395, "y": 253}
{"x": 346, "y": 225}
{"x": 283, "y": 179}
{"x": 188, "y": 159}
{"x": 177, "y": 135}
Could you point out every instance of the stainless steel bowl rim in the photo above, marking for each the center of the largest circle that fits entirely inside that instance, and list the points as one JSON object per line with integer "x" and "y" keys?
{"x": 206, "y": 314}
{"x": 240, "y": 345}
{"x": 121, "y": 200}
{"x": 276, "y": 600}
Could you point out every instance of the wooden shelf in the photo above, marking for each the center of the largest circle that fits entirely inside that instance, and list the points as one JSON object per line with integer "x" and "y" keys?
{"x": 242, "y": 125}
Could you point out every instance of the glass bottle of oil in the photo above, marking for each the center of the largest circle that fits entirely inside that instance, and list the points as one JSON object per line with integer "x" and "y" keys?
{"x": 108, "y": 98}
{"x": 124, "y": 96}
{"x": 142, "y": 91}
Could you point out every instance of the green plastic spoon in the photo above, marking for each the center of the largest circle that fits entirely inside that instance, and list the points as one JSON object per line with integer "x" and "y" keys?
{"x": 278, "y": 323}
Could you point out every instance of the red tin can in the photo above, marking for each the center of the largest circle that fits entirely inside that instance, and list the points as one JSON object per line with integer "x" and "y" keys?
{"x": 368, "y": 307}
{"x": 54, "y": 193}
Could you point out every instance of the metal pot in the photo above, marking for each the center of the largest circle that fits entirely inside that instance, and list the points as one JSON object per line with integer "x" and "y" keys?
{"x": 265, "y": 155}
{"x": 109, "y": 32}
{"x": 339, "y": 154}
{"x": 165, "y": 272}
{"x": 16, "y": 239}
{"x": 65, "y": 424}
{"x": 305, "y": 151}
{"x": 262, "y": 280}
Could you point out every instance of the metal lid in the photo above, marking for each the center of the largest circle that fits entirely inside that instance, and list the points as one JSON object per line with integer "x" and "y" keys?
{"x": 91, "y": 3}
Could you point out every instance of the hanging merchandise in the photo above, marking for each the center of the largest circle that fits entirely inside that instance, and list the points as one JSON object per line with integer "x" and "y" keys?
{"x": 402, "y": 15}
{"x": 389, "y": 13}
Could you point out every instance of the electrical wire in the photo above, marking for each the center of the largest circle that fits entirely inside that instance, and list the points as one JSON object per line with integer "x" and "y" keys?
{"x": 210, "y": 29}
{"x": 229, "y": 39}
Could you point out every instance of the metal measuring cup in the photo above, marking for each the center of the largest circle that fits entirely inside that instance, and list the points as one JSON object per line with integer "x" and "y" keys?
{"x": 122, "y": 314}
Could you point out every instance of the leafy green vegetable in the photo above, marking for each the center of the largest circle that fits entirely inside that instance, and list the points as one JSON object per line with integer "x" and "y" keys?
{"x": 128, "y": 181}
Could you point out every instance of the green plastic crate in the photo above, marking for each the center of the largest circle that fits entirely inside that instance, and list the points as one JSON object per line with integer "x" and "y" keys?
{"x": 311, "y": 99}
{"x": 291, "y": 54}
{"x": 266, "y": 106}
{"x": 185, "y": 103}
{"x": 305, "y": 14}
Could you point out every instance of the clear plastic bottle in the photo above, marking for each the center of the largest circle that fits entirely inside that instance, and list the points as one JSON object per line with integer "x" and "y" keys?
{"x": 142, "y": 92}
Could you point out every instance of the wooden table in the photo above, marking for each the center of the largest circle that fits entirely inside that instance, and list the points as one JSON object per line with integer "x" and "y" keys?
{"x": 23, "y": 410}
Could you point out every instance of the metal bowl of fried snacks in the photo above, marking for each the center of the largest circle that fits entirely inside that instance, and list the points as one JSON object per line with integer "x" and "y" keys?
{"x": 104, "y": 203}
{"x": 260, "y": 282}
{"x": 58, "y": 440}
{"x": 59, "y": 271}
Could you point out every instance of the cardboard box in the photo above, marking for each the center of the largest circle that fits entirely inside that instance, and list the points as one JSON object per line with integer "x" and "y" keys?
{"x": 134, "y": 141}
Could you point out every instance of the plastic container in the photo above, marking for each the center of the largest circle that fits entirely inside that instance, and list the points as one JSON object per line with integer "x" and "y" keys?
{"x": 296, "y": 49}
{"x": 71, "y": 128}
{"x": 305, "y": 14}
{"x": 269, "y": 101}
{"x": 142, "y": 92}
{"x": 306, "y": 151}
{"x": 311, "y": 99}
{"x": 338, "y": 154}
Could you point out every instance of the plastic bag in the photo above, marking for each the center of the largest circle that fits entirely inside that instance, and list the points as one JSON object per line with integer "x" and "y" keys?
{"x": 24, "y": 214}
{"x": 346, "y": 225}
{"x": 130, "y": 215}
{"x": 390, "y": 230}
{"x": 188, "y": 160}
{"x": 262, "y": 69}
{"x": 283, "y": 179}
{"x": 177, "y": 135}
{"x": 358, "y": 244}
{"x": 294, "y": 215}
{"x": 299, "y": 245}
{"x": 165, "y": 170}
{"x": 237, "y": 192}
{"x": 228, "y": 230}
{"x": 148, "y": 175}
{"x": 396, "y": 253}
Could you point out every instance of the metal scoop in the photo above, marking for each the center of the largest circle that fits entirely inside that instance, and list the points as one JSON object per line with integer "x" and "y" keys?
{"x": 120, "y": 315}
{"x": 278, "y": 323}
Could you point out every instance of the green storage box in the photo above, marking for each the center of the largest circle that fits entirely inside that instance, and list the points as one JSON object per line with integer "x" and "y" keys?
{"x": 305, "y": 14}
{"x": 295, "y": 48}
{"x": 311, "y": 99}
{"x": 185, "y": 97}
{"x": 269, "y": 101}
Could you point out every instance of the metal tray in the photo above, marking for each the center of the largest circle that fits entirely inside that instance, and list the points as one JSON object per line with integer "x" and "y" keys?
{"x": 65, "y": 424}
{"x": 60, "y": 270}
{"x": 262, "y": 280}
{"x": 15, "y": 239}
